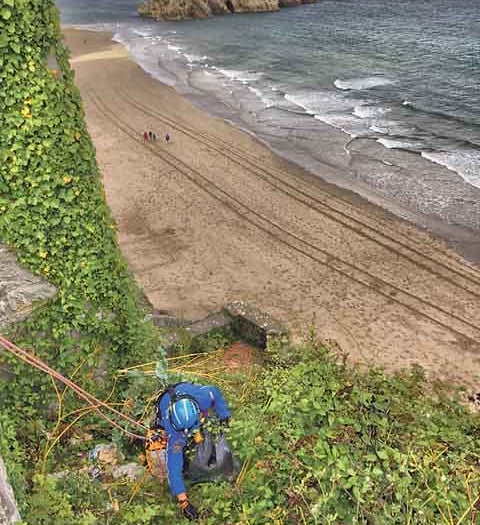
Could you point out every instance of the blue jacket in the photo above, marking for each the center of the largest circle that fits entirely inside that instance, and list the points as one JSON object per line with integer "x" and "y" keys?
{"x": 207, "y": 397}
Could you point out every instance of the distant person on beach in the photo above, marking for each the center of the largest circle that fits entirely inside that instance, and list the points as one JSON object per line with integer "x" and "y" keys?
{"x": 154, "y": 136}
{"x": 145, "y": 136}
{"x": 150, "y": 136}
{"x": 167, "y": 137}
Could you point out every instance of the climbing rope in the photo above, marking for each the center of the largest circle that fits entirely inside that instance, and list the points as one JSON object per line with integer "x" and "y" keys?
{"x": 94, "y": 402}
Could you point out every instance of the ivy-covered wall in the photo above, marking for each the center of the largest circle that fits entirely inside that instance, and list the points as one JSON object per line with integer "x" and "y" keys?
{"x": 53, "y": 214}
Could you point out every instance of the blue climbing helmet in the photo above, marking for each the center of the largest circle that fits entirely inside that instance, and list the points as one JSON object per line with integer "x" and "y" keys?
{"x": 184, "y": 414}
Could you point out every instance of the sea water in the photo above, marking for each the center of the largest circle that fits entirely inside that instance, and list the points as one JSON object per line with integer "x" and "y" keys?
{"x": 376, "y": 95}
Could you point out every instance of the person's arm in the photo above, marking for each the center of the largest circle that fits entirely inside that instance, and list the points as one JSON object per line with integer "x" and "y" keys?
{"x": 217, "y": 401}
{"x": 176, "y": 482}
{"x": 175, "y": 448}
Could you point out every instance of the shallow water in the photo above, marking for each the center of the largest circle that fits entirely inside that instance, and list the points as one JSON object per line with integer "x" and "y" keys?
{"x": 371, "y": 93}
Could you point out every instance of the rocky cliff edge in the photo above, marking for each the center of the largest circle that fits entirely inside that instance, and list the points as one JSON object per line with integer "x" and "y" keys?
{"x": 187, "y": 9}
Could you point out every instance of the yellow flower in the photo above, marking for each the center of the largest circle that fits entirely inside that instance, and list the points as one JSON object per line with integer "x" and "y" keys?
{"x": 43, "y": 255}
{"x": 26, "y": 112}
{"x": 67, "y": 179}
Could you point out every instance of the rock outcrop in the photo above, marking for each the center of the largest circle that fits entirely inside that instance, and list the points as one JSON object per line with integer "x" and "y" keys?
{"x": 294, "y": 3}
{"x": 18, "y": 290}
{"x": 186, "y": 9}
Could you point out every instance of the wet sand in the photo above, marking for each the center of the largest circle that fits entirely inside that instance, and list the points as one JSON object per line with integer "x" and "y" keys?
{"x": 214, "y": 216}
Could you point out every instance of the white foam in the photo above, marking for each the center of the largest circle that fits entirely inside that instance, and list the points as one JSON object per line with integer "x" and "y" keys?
{"x": 378, "y": 129}
{"x": 465, "y": 162}
{"x": 146, "y": 56}
{"x": 259, "y": 93}
{"x": 195, "y": 59}
{"x": 369, "y": 112}
{"x": 362, "y": 83}
{"x": 397, "y": 144}
{"x": 142, "y": 33}
{"x": 334, "y": 109}
{"x": 240, "y": 76}
{"x": 321, "y": 102}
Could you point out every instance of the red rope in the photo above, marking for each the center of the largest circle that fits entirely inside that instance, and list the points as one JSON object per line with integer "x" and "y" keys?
{"x": 88, "y": 398}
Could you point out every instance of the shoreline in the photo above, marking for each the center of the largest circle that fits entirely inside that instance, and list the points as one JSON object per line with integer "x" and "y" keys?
{"x": 215, "y": 216}
{"x": 464, "y": 240}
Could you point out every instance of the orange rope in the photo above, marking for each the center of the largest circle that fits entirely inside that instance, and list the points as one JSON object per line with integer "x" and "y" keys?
{"x": 88, "y": 398}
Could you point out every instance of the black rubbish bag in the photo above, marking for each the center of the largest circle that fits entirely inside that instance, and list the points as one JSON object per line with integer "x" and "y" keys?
{"x": 212, "y": 461}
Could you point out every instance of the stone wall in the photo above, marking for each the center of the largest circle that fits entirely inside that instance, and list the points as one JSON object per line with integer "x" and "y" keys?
{"x": 19, "y": 290}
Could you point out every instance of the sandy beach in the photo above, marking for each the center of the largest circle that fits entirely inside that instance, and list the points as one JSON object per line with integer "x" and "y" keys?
{"x": 214, "y": 216}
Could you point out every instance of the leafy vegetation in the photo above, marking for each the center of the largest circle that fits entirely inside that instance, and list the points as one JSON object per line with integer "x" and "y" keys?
{"x": 321, "y": 442}
{"x": 53, "y": 214}
{"x": 333, "y": 444}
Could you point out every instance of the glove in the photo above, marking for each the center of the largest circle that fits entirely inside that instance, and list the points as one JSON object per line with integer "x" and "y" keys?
{"x": 188, "y": 510}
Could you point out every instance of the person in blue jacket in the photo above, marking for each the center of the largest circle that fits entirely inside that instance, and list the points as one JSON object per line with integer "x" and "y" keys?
{"x": 181, "y": 410}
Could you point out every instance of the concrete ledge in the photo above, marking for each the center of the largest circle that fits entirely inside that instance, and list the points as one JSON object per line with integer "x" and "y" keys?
{"x": 247, "y": 322}
{"x": 253, "y": 325}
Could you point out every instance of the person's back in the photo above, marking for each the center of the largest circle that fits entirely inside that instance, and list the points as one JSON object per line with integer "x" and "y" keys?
{"x": 181, "y": 411}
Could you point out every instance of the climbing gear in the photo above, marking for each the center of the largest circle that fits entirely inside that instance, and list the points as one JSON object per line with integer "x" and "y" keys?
{"x": 198, "y": 437}
{"x": 94, "y": 402}
{"x": 156, "y": 453}
{"x": 156, "y": 439}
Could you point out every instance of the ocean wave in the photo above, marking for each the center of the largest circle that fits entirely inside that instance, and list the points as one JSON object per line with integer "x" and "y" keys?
{"x": 378, "y": 129}
{"x": 195, "y": 59}
{"x": 398, "y": 144}
{"x": 369, "y": 112}
{"x": 352, "y": 116}
{"x": 240, "y": 76}
{"x": 259, "y": 93}
{"x": 145, "y": 34}
{"x": 359, "y": 84}
{"x": 321, "y": 102}
{"x": 442, "y": 114}
{"x": 465, "y": 163}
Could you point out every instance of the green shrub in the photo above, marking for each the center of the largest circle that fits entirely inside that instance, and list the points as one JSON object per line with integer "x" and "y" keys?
{"x": 53, "y": 214}
{"x": 325, "y": 443}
